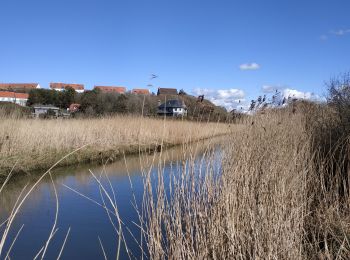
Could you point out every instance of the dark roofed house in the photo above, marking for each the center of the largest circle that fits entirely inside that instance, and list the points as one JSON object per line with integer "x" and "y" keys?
{"x": 62, "y": 86}
{"x": 140, "y": 91}
{"x": 111, "y": 89}
{"x": 19, "y": 87}
{"x": 167, "y": 91}
{"x": 172, "y": 107}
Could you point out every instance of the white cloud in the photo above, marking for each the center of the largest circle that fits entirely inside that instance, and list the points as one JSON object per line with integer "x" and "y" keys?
{"x": 287, "y": 92}
{"x": 293, "y": 93}
{"x": 229, "y": 98}
{"x": 249, "y": 66}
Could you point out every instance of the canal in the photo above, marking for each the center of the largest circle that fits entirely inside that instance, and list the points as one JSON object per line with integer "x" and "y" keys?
{"x": 80, "y": 204}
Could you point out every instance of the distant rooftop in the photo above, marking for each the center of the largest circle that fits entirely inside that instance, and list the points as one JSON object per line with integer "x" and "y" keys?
{"x": 111, "y": 89}
{"x": 174, "y": 103}
{"x": 18, "y": 86}
{"x": 140, "y": 91}
{"x": 167, "y": 91}
{"x": 8, "y": 94}
{"x": 38, "y": 106}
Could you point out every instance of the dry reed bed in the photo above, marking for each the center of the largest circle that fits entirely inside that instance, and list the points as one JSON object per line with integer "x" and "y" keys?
{"x": 36, "y": 144}
{"x": 275, "y": 199}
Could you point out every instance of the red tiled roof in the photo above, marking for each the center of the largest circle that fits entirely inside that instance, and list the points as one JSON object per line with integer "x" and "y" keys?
{"x": 66, "y": 85}
{"x": 113, "y": 89}
{"x": 16, "y": 86}
{"x": 74, "y": 107}
{"x": 9, "y": 94}
{"x": 140, "y": 91}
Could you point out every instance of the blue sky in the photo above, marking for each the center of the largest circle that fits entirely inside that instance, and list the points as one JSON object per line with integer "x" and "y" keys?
{"x": 195, "y": 45}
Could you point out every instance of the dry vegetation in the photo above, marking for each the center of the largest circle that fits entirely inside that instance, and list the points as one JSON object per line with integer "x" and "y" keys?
{"x": 282, "y": 194}
{"x": 282, "y": 191}
{"x": 28, "y": 144}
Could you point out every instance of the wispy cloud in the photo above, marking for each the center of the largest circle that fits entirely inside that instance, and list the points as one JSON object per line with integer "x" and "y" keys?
{"x": 323, "y": 37}
{"x": 229, "y": 98}
{"x": 249, "y": 66}
{"x": 340, "y": 32}
{"x": 269, "y": 88}
{"x": 337, "y": 33}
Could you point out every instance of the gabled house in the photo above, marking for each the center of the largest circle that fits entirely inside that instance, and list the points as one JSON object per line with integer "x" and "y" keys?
{"x": 140, "y": 91}
{"x": 166, "y": 91}
{"x": 19, "y": 87}
{"x": 111, "y": 89}
{"x": 62, "y": 86}
{"x": 172, "y": 108}
{"x": 13, "y": 97}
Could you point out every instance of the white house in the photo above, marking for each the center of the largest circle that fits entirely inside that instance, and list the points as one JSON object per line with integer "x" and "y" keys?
{"x": 13, "y": 97}
{"x": 62, "y": 86}
{"x": 173, "y": 108}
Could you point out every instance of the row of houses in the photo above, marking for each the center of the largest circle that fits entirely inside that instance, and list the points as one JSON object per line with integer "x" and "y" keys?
{"x": 18, "y": 92}
{"x": 26, "y": 87}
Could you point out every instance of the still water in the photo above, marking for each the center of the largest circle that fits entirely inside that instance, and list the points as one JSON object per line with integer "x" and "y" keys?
{"x": 87, "y": 221}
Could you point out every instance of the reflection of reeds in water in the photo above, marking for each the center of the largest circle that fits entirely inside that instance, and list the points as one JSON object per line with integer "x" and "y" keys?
{"x": 147, "y": 159}
{"x": 119, "y": 168}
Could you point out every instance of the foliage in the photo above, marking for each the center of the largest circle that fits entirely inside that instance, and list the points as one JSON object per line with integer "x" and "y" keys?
{"x": 97, "y": 103}
{"x": 61, "y": 99}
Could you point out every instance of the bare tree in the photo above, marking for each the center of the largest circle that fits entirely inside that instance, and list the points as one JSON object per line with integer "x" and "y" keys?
{"x": 339, "y": 96}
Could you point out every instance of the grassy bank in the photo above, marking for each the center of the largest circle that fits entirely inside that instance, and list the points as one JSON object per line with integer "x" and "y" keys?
{"x": 283, "y": 194}
{"x": 28, "y": 145}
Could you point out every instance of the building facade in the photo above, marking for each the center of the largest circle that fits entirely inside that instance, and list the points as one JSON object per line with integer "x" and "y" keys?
{"x": 45, "y": 110}
{"x": 13, "y": 97}
{"x": 173, "y": 108}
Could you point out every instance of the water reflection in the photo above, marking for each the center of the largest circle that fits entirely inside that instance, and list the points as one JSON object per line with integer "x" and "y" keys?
{"x": 87, "y": 221}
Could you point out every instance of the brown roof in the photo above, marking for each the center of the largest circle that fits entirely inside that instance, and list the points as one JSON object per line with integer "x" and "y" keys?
{"x": 140, "y": 91}
{"x": 112, "y": 89}
{"x": 66, "y": 85}
{"x": 167, "y": 91}
{"x": 9, "y": 94}
{"x": 18, "y": 86}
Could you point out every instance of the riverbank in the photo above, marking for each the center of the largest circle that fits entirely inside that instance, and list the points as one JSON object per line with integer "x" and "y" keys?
{"x": 27, "y": 145}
